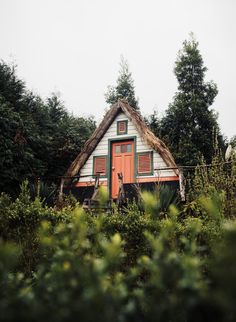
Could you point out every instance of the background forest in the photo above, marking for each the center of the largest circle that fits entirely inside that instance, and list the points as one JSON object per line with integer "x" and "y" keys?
{"x": 40, "y": 138}
{"x": 156, "y": 261}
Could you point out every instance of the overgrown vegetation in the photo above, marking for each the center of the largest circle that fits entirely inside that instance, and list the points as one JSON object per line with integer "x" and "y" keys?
{"x": 154, "y": 261}
{"x": 176, "y": 265}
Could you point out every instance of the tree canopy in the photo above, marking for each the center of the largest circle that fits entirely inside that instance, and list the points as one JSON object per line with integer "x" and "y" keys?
{"x": 38, "y": 138}
{"x": 124, "y": 87}
{"x": 189, "y": 125}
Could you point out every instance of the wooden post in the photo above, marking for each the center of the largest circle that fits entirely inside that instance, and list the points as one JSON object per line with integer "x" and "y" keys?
{"x": 121, "y": 192}
{"x": 96, "y": 186}
{"x": 61, "y": 189}
{"x": 38, "y": 187}
{"x": 181, "y": 184}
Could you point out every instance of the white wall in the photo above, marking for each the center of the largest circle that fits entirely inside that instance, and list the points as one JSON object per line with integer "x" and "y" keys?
{"x": 141, "y": 146}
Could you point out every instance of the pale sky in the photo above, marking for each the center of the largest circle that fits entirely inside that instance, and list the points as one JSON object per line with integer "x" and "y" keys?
{"x": 74, "y": 47}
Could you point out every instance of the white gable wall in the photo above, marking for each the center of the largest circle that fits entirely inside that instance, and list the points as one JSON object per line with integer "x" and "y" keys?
{"x": 141, "y": 146}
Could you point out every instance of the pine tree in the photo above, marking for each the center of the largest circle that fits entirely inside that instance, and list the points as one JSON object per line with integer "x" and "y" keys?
{"x": 37, "y": 138}
{"x": 189, "y": 125}
{"x": 124, "y": 87}
{"x": 154, "y": 122}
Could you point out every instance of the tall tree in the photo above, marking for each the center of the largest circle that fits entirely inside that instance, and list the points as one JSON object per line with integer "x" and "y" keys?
{"x": 124, "y": 87}
{"x": 189, "y": 125}
{"x": 11, "y": 87}
{"x": 37, "y": 138}
{"x": 68, "y": 136}
{"x": 154, "y": 122}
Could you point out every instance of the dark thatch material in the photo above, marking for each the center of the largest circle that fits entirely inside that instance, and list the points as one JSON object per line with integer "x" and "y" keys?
{"x": 143, "y": 130}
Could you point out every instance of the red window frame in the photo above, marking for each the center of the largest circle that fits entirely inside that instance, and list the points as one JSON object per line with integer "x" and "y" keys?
{"x": 145, "y": 163}
{"x": 122, "y": 127}
{"x": 100, "y": 165}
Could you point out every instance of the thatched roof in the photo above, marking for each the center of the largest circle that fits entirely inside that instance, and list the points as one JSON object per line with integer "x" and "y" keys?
{"x": 143, "y": 130}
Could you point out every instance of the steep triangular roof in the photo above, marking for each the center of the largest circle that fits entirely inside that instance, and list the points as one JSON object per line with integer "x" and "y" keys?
{"x": 143, "y": 130}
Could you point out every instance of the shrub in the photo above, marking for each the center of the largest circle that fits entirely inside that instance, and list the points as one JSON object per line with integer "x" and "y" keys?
{"x": 125, "y": 266}
{"x": 20, "y": 220}
{"x": 131, "y": 224}
{"x": 219, "y": 176}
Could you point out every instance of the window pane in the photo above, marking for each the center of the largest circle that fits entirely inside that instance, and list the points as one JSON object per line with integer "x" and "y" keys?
{"x": 117, "y": 148}
{"x": 124, "y": 148}
{"x": 129, "y": 148}
{"x": 121, "y": 127}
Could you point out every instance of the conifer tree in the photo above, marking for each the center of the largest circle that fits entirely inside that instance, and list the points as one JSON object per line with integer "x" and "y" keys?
{"x": 189, "y": 126}
{"x": 37, "y": 138}
{"x": 124, "y": 87}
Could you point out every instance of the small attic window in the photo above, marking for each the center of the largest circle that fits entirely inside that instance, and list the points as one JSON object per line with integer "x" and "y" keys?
{"x": 100, "y": 165}
{"x": 145, "y": 163}
{"x": 122, "y": 127}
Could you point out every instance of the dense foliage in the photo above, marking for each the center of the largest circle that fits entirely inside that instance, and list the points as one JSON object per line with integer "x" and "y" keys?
{"x": 124, "y": 87}
{"x": 151, "y": 261}
{"x": 37, "y": 138}
{"x": 189, "y": 125}
{"x": 130, "y": 265}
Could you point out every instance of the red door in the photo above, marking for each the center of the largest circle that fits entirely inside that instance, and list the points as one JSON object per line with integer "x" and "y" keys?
{"x": 122, "y": 162}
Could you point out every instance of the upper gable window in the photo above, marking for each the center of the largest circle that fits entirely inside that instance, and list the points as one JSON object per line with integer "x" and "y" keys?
{"x": 122, "y": 127}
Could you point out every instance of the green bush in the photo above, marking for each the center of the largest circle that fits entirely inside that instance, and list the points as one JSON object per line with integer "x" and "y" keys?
{"x": 131, "y": 225}
{"x": 19, "y": 223}
{"x": 125, "y": 266}
{"x": 219, "y": 176}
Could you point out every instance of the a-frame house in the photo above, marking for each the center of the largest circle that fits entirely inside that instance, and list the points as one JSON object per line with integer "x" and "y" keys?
{"x": 121, "y": 145}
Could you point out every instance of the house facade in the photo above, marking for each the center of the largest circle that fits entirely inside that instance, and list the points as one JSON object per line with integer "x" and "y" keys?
{"x": 122, "y": 145}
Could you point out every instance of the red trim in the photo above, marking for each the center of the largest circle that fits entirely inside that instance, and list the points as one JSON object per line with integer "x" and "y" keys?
{"x": 139, "y": 180}
{"x": 89, "y": 183}
{"x": 160, "y": 179}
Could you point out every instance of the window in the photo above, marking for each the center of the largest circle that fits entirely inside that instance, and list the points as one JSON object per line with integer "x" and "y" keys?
{"x": 122, "y": 127}
{"x": 118, "y": 148}
{"x": 99, "y": 165}
{"x": 123, "y": 148}
{"x": 145, "y": 163}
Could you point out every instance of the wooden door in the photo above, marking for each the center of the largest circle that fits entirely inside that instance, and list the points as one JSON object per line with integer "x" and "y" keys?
{"x": 122, "y": 162}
